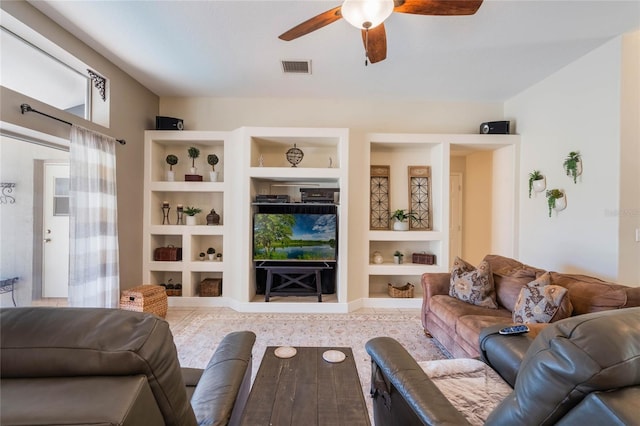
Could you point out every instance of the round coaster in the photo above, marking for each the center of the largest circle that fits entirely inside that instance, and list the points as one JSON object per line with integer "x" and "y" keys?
{"x": 333, "y": 356}
{"x": 285, "y": 351}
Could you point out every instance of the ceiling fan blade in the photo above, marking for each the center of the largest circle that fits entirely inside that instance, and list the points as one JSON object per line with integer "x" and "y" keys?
{"x": 375, "y": 43}
{"x": 312, "y": 24}
{"x": 437, "y": 7}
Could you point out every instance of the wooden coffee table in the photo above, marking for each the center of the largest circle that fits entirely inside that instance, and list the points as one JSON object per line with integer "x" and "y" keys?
{"x": 306, "y": 390}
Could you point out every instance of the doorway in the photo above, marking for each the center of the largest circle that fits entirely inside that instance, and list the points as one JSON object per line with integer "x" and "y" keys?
{"x": 55, "y": 230}
{"x": 455, "y": 217}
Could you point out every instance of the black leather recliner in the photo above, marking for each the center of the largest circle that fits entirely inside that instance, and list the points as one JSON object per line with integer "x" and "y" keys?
{"x": 113, "y": 367}
{"x": 578, "y": 371}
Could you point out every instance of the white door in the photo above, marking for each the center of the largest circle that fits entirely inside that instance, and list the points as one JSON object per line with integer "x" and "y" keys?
{"x": 455, "y": 216}
{"x": 55, "y": 239}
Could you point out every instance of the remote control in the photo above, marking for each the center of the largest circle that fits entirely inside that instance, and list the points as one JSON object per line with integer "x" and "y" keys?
{"x": 515, "y": 329}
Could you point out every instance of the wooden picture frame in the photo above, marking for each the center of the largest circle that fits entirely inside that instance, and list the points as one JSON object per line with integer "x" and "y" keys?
{"x": 379, "y": 210}
{"x": 420, "y": 198}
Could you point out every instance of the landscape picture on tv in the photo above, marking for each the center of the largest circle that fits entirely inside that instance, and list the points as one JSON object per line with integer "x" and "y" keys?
{"x": 299, "y": 236}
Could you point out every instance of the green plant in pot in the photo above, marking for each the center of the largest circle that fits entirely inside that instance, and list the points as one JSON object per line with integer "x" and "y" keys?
{"x": 193, "y": 154}
{"x": 171, "y": 160}
{"x": 211, "y": 251}
{"x": 213, "y": 159}
{"x": 397, "y": 257}
{"x": 536, "y": 181}
{"x": 191, "y": 213}
{"x": 553, "y": 196}
{"x": 401, "y": 216}
{"x": 572, "y": 165}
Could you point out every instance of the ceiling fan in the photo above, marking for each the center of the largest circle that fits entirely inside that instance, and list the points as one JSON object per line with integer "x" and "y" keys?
{"x": 369, "y": 16}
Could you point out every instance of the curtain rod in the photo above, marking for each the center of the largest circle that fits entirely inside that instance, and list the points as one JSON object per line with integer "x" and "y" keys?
{"x": 27, "y": 108}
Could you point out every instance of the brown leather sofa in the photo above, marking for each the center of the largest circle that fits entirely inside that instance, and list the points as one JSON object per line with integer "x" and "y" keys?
{"x": 113, "y": 367}
{"x": 582, "y": 370}
{"x": 457, "y": 324}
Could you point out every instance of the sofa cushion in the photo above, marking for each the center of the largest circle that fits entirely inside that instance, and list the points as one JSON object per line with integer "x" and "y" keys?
{"x": 570, "y": 359}
{"x": 589, "y": 294}
{"x": 509, "y": 277}
{"x": 541, "y": 302}
{"x": 473, "y": 285}
{"x": 107, "y": 342}
{"x": 101, "y": 400}
{"x": 468, "y": 327}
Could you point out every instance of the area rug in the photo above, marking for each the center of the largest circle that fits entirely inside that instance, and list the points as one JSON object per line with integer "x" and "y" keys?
{"x": 198, "y": 332}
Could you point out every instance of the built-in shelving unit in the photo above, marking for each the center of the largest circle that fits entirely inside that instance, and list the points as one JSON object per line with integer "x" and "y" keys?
{"x": 253, "y": 162}
{"x": 206, "y": 195}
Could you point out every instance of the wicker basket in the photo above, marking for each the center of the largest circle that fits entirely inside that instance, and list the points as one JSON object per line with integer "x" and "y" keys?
{"x": 210, "y": 287}
{"x": 145, "y": 298}
{"x": 406, "y": 291}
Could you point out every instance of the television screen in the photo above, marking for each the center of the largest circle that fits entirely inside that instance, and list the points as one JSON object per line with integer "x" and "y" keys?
{"x": 298, "y": 236}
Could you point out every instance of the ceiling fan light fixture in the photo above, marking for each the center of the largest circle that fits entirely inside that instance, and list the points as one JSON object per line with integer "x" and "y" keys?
{"x": 366, "y": 14}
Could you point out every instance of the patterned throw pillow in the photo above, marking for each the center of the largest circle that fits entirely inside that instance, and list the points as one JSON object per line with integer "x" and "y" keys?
{"x": 541, "y": 302}
{"x": 473, "y": 285}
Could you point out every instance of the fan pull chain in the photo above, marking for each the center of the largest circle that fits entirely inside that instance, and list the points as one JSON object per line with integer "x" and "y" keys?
{"x": 366, "y": 47}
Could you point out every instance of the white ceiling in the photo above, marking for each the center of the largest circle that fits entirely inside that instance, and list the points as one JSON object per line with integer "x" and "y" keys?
{"x": 231, "y": 48}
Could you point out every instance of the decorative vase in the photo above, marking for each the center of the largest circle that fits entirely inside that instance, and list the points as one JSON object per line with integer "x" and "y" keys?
{"x": 213, "y": 176}
{"x": 193, "y": 170}
{"x": 213, "y": 218}
{"x": 377, "y": 258}
{"x": 539, "y": 185}
{"x": 400, "y": 226}
{"x": 191, "y": 220}
{"x": 211, "y": 256}
{"x": 171, "y": 176}
{"x": 397, "y": 260}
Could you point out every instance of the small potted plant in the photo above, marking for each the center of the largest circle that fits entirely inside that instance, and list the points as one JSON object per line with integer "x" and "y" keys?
{"x": 212, "y": 159}
{"x": 573, "y": 165}
{"x": 193, "y": 154}
{"x": 401, "y": 216}
{"x": 397, "y": 257}
{"x": 172, "y": 160}
{"x": 556, "y": 200}
{"x": 202, "y": 255}
{"x": 536, "y": 182}
{"x": 219, "y": 257}
{"x": 211, "y": 251}
{"x": 191, "y": 213}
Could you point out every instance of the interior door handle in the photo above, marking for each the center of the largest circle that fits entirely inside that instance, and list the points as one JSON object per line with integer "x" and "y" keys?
{"x": 47, "y": 240}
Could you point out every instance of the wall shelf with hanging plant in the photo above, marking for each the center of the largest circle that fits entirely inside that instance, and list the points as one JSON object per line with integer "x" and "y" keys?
{"x": 573, "y": 165}
{"x": 537, "y": 182}
{"x": 556, "y": 200}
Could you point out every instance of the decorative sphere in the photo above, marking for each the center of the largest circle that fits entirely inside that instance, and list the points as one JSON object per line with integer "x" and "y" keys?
{"x": 294, "y": 155}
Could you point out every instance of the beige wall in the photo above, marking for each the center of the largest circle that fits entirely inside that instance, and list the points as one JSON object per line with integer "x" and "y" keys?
{"x": 133, "y": 109}
{"x": 582, "y": 108}
{"x": 477, "y": 196}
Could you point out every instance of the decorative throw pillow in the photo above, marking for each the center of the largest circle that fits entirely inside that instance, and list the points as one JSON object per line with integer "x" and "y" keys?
{"x": 541, "y": 302}
{"x": 473, "y": 285}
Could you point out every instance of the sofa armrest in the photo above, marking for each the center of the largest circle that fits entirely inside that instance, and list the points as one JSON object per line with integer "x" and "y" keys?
{"x": 503, "y": 353}
{"x": 402, "y": 392}
{"x": 223, "y": 389}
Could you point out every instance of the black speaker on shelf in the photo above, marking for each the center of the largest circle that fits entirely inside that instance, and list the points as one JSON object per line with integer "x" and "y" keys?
{"x": 495, "y": 127}
{"x": 169, "y": 123}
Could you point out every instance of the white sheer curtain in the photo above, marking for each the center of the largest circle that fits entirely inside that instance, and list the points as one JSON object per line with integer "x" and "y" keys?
{"x": 93, "y": 248}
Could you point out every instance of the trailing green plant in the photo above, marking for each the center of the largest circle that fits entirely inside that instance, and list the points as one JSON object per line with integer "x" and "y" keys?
{"x": 172, "y": 160}
{"x": 533, "y": 176}
{"x": 191, "y": 211}
{"x": 212, "y": 159}
{"x": 193, "y": 154}
{"x": 552, "y": 196}
{"x": 401, "y": 215}
{"x": 571, "y": 164}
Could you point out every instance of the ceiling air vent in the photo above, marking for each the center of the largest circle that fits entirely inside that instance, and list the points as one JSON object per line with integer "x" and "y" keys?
{"x": 296, "y": 67}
